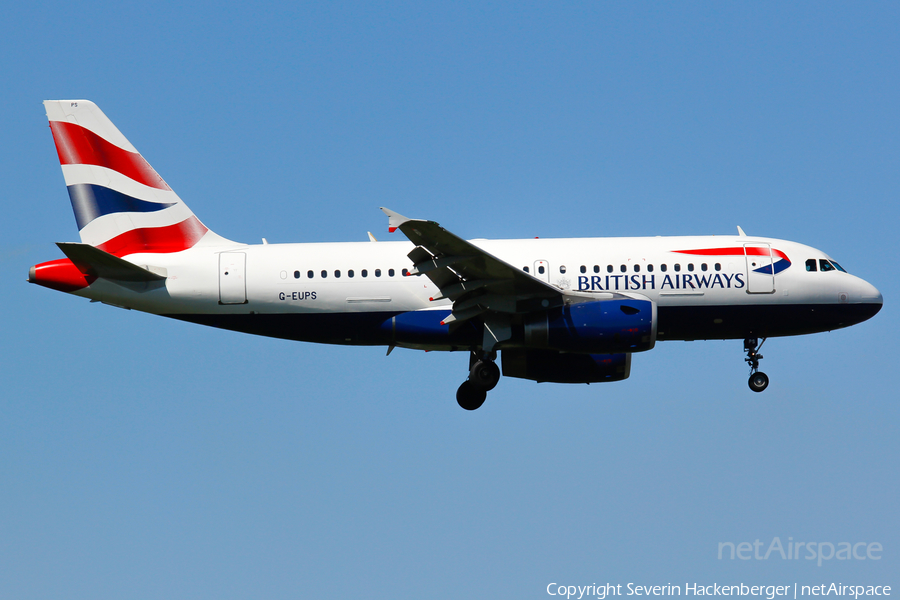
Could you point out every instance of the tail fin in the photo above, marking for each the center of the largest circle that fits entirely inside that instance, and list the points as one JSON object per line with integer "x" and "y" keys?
{"x": 122, "y": 206}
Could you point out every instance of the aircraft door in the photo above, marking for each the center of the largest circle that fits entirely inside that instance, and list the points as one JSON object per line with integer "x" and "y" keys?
{"x": 760, "y": 274}
{"x": 542, "y": 270}
{"x": 232, "y": 278}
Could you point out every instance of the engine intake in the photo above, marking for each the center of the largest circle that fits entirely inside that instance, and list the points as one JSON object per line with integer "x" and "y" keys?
{"x": 610, "y": 326}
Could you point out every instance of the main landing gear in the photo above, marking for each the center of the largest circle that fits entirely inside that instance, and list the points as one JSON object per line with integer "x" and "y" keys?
{"x": 758, "y": 380}
{"x": 483, "y": 377}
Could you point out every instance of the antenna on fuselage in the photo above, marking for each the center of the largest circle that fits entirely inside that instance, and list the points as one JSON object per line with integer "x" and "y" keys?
{"x": 741, "y": 232}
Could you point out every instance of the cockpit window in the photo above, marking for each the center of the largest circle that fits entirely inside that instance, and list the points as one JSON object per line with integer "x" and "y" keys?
{"x": 824, "y": 265}
{"x": 839, "y": 267}
{"x": 811, "y": 265}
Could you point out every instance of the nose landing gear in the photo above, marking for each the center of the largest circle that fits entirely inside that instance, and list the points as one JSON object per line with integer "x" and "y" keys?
{"x": 483, "y": 377}
{"x": 758, "y": 380}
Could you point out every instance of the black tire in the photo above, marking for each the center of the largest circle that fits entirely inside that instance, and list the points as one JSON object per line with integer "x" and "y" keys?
{"x": 469, "y": 396}
{"x": 485, "y": 374}
{"x": 758, "y": 381}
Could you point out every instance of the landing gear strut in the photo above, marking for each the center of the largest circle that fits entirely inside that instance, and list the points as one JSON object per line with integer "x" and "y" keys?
{"x": 758, "y": 380}
{"x": 483, "y": 377}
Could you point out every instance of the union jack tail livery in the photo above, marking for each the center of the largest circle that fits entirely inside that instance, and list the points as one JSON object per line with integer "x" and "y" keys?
{"x": 122, "y": 206}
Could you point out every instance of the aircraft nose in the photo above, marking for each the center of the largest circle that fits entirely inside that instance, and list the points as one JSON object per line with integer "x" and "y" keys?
{"x": 870, "y": 293}
{"x": 871, "y": 297}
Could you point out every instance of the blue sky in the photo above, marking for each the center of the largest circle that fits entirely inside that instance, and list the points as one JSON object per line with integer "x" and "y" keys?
{"x": 147, "y": 458}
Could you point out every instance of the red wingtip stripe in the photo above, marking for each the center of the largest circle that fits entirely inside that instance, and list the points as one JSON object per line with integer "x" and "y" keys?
{"x": 172, "y": 238}
{"x": 392, "y": 229}
{"x": 79, "y": 146}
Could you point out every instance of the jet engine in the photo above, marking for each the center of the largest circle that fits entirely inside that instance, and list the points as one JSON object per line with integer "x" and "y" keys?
{"x": 609, "y": 326}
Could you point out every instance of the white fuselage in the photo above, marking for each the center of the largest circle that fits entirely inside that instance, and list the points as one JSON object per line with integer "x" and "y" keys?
{"x": 366, "y": 278}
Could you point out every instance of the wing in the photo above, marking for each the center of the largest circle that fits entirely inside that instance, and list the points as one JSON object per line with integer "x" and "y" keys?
{"x": 477, "y": 282}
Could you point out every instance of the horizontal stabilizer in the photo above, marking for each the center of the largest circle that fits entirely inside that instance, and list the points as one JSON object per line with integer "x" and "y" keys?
{"x": 96, "y": 262}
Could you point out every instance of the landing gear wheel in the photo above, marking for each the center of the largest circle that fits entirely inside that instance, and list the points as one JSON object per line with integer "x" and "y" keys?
{"x": 758, "y": 381}
{"x": 469, "y": 396}
{"x": 485, "y": 374}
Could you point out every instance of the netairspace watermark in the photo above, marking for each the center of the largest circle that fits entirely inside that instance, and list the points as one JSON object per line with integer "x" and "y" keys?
{"x": 770, "y": 592}
{"x": 795, "y": 550}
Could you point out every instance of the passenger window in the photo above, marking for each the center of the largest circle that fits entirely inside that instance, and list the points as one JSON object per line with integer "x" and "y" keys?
{"x": 824, "y": 265}
{"x": 525, "y": 269}
{"x": 337, "y": 273}
{"x": 811, "y": 265}
{"x": 663, "y": 267}
{"x": 583, "y": 269}
{"x": 364, "y": 273}
{"x": 390, "y": 272}
{"x": 296, "y": 274}
{"x": 690, "y": 266}
{"x": 637, "y": 268}
{"x": 703, "y": 267}
{"x": 562, "y": 268}
{"x": 677, "y": 267}
{"x": 324, "y": 274}
{"x": 404, "y": 272}
{"x": 609, "y": 268}
{"x": 718, "y": 267}
{"x": 350, "y": 273}
{"x": 649, "y": 268}
{"x": 541, "y": 269}
{"x": 623, "y": 268}
{"x": 596, "y": 268}
{"x": 377, "y": 272}
{"x": 309, "y": 274}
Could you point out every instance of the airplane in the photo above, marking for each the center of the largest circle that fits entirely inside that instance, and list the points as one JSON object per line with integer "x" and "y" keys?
{"x": 556, "y": 310}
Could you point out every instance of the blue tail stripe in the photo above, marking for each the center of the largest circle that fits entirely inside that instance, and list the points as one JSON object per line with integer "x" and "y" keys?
{"x": 90, "y": 201}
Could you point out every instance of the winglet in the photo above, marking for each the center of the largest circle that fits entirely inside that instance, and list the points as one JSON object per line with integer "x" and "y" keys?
{"x": 395, "y": 220}
{"x": 741, "y": 232}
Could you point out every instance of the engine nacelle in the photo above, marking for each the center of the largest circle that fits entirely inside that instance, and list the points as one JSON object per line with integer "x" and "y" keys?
{"x": 560, "y": 367}
{"x": 613, "y": 326}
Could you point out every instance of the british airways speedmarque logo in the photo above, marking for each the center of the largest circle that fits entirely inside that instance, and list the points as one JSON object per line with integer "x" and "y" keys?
{"x": 780, "y": 261}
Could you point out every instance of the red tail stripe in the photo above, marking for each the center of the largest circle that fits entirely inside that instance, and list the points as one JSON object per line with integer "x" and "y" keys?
{"x": 750, "y": 251}
{"x": 172, "y": 238}
{"x": 79, "y": 146}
